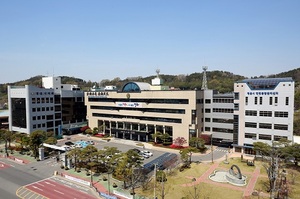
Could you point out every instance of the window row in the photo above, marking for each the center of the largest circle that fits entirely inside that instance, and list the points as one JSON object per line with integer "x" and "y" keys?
{"x": 154, "y": 110}
{"x": 271, "y": 100}
{"x": 220, "y": 100}
{"x": 222, "y": 110}
{"x": 266, "y": 113}
{"x": 266, "y": 126}
{"x": 38, "y": 109}
{"x": 42, "y": 100}
{"x": 264, "y": 137}
{"x": 43, "y": 93}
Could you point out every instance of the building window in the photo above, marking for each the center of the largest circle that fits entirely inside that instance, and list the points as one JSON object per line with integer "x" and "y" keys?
{"x": 34, "y": 118}
{"x": 270, "y": 100}
{"x": 287, "y": 101}
{"x": 33, "y": 109}
{"x": 250, "y": 135}
{"x": 207, "y": 110}
{"x": 265, "y": 137}
{"x": 255, "y": 100}
{"x": 207, "y": 119}
{"x": 207, "y": 128}
{"x": 276, "y": 100}
{"x": 280, "y": 127}
{"x": 265, "y": 113}
{"x": 251, "y": 113}
{"x": 207, "y": 101}
{"x": 277, "y": 137}
{"x": 281, "y": 114}
{"x": 250, "y": 124}
{"x": 265, "y": 126}
{"x": 33, "y": 100}
{"x": 34, "y": 126}
{"x": 246, "y": 100}
{"x": 236, "y": 96}
{"x": 260, "y": 100}
{"x": 236, "y": 106}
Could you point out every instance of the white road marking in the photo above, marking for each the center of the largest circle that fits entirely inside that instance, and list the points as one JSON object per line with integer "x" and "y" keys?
{"x": 37, "y": 188}
{"x": 59, "y": 192}
{"x": 50, "y": 184}
{"x": 41, "y": 185}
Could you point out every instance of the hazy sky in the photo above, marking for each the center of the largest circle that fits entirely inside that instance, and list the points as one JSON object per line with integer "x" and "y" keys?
{"x": 104, "y": 39}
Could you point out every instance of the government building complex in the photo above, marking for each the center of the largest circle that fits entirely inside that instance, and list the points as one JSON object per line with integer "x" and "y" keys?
{"x": 257, "y": 110}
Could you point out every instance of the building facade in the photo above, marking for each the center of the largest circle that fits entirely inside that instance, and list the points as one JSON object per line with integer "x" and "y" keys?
{"x": 47, "y": 108}
{"x": 263, "y": 111}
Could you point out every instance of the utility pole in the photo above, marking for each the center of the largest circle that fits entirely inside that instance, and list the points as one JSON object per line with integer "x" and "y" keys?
{"x": 154, "y": 188}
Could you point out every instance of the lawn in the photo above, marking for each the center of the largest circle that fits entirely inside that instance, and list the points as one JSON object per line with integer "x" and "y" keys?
{"x": 174, "y": 189}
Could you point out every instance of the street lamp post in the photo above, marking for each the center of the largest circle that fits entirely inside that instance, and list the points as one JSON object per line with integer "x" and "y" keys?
{"x": 211, "y": 148}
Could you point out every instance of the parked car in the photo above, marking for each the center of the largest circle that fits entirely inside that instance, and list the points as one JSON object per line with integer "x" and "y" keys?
{"x": 136, "y": 150}
{"x": 69, "y": 143}
{"x": 147, "y": 153}
{"x": 91, "y": 142}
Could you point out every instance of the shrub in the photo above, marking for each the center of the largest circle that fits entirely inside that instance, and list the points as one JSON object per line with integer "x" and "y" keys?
{"x": 167, "y": 143}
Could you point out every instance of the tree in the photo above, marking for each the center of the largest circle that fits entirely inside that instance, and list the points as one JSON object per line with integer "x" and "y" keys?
{"x": 261, "y": 148}
{"x": 165, "y": 137}
{"x": 51, "y": 140}
{"x": 186, "y": 155}
{"x": 37, "y": 138}
{"x": 156, "y": 135}
{"x": 74, "y": 154}
{"x": 95, "y": 130}
{"x": 197, "y": 142}
{"x": 4, "y": 136}
{"x": 161, "y": 177}
{"x": 179, "y": 141}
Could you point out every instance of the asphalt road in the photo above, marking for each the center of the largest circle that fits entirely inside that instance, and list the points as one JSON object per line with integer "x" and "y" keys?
{"x": 13, "y": 177}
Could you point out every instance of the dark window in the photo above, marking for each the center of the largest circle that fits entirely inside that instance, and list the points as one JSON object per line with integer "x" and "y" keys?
{"x": 207, "y": 110}
{"x": 236, "y": 106}
{"x": 260, "y": 100}
{"x": 207, "y": 101}
{"x": 265, "y": 113}
{"x": 207, "y": 119}
{"x": 207, "y": 129}
{"x": 287, "y": 101}
{"x": 271, "y": 100}
{"x": 250, "y": 124}
{"x": 255, "y": 100}
{"x": 265, "y": 126}
{"x": 18, "y": 112}
{"x": 236, "y": 96}
{"x": 250, "y": 135}
{"x": 265, "y": 137}
{"x": 281, "y": 114}
{"x": 277, "y": 137}
{"x": 276, "y": 100}
{"x": 246, "y": 100}
{"x": 250, "y": 113}
{"x": 280, "y": 127}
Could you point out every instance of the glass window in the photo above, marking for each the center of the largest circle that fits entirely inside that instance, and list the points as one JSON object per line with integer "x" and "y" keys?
{"x": 250, "y": 135}
{"x": 236, "y": 96}
{"x": 271, "y": 100}
{"x": 280, "y": 127}
{"x": 250, "y": 124}
{"x": 260, "y": 100}
{"x": 265, "y": 137}
{"x": 277, "y": 137}
{"x": 207, "y": 101}
{"x": 265, "y": 113}
{"x": 246, "y": 100}
{"x": 251, "y": 113}
{"x": 276, "y": 100}
{"x": 207, "y": 110}
{"x": 281, "y": 114}
{"x": 265, "y": 126}
{"x": 287, "y": 101}
{"x": 207, "y": 119}
{"x": 255, "y": 100}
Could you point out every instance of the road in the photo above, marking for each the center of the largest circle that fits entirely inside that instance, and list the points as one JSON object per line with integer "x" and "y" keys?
{"x": 12, "y": 177}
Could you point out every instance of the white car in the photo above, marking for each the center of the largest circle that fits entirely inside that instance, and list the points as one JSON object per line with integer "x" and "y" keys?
{"x": 147, "y": 153}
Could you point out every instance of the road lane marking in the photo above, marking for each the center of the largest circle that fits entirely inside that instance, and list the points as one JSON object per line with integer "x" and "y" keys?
{"x": 59, "y": 192}
{"x": 37, "y": 188}
{"x": 50, "y": 184}
{"x": 41, "y": 185}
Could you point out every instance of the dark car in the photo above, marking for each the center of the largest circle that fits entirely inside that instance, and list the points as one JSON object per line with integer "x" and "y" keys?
{"x": 69, "y": 143}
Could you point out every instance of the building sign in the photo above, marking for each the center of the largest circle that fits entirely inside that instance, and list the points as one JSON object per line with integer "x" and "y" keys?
{"x": 262, "y": 93}
{"x": 129, "y": 104}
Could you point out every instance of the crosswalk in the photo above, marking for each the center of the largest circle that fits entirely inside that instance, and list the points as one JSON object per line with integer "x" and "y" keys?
{"x": 225, "y": 150}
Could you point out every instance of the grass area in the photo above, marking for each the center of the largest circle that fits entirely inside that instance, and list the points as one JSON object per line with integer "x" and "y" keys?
{"x": 174, "y": 189}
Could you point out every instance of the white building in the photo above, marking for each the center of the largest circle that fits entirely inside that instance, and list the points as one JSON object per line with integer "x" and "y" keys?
{"x": 263, "y": 111}
{"x": 34, "y": 108}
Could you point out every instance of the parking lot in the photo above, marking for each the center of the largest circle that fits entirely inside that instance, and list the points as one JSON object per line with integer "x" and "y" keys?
{"x": 100, "y": 144}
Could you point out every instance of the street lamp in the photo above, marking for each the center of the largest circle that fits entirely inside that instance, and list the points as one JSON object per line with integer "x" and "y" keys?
{"x": 211, "y": 148}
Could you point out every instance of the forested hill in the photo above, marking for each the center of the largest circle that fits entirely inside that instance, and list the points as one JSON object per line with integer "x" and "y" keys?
{"x": 221, "y": 81}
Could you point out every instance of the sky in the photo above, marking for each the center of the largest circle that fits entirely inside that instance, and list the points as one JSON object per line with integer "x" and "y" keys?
{"x": 104, "y": 39}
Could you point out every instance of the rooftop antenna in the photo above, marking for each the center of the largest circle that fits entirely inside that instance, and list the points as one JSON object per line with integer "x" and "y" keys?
{"x": 204, "y": 80}
{"x": 157, "y": 72}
